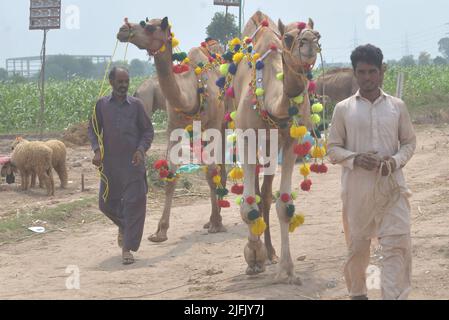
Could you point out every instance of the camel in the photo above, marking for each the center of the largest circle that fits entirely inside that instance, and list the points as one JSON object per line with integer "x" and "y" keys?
{"x": 150, "y": 91}
{"x": 181, "y": 90}
{"x": 151, "y": 95}
{"x": 338, "y": 84}
{"x": 299, "y": 43}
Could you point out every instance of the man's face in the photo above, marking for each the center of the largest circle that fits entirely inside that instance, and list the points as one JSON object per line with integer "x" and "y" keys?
{"x": 120, "y": 84}
{"x": 369, "y": 77}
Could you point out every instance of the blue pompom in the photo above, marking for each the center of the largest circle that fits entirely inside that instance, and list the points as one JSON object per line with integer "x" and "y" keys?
{"x": 237, "y": 48}
{"x": 228, "y": 56}
{"x": 233, "y": 69}
{"x": 310, "y": 75}
{"x": 253, "y": 215}
{"x": 221, "y": 82}
{"x": 293, "y": 111}
{"x": 201, "y": 90}
{"x": 250, "y": 49}
{"x": 291, "y": 211}
{"x": 260, "y": 65}
{"x": 213, "y": 55}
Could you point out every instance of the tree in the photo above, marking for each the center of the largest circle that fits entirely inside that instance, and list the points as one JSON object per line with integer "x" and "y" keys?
{"x": 136, "y": 68}
{"x": 3, "y": 74}
{"x": 223, "y": 28}
{"x": 407, "y": 61}
{"x": 424, "y": 59}
{"x": 443, "y": 47}
{"x": 440, "y": 61}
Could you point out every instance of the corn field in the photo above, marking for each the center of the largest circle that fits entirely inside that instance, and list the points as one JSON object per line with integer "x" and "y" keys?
{"x": 68, "y": 103}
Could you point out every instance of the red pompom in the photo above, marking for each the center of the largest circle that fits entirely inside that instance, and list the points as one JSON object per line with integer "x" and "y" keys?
{"x": 250, "y": 200}
{"x": 315, "y": 168}
{"x": 264, "y": 114}
{"x": 306, "y": 185}
{"x": 204, "y": 44}
{"x": 160, "y": 164}
{"x": 273, "y": 47}
{"x": 237, "y": 189}
{"x": 224, "y": 204}
{"x": 248, "y": 41}
{"x": 265, "y": 23}
{"x": 301, "y": 25}
{"x": 307, "y": 146}
{"x": 312, "y": 87}
{"x": 258, "y": 169}
{"x": 211, "y": 59}
{"x": 230, "y": 92}
{"x": 214, "y": 172}
{"x": 164, "y": 173}
{"x": 323, "y": 168}
{"x": 285, "y": 197}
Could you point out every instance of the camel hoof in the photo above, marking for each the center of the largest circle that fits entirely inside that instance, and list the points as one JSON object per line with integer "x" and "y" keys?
{"x": 255, "y": 270}
{"x": 296, "y": 281}
{"x": 158, "y": 238}
{"x": 273, "y": 259}
{"x": 207, "y": 226}
{"x": 216, "y": 228}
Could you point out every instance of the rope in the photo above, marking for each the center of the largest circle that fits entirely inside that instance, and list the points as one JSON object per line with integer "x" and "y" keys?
{"x": 95, "y": 125}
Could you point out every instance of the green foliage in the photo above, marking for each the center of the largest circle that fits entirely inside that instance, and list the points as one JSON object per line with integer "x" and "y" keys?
{"x": 443, "y": 46}
{"x": 223, "y": 29}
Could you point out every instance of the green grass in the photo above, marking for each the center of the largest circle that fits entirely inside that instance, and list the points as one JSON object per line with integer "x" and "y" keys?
{"x": 14, "y": 227}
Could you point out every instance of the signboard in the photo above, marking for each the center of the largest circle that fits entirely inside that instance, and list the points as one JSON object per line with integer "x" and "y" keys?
{"x": 227, "y": 3}
{"x": 45, "y": 14}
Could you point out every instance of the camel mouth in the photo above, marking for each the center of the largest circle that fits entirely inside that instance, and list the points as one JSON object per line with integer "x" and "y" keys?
{"x": 123, "y": 36}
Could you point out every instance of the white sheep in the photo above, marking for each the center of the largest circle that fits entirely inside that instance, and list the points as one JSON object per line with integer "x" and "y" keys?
{"x": 33, "y": 158}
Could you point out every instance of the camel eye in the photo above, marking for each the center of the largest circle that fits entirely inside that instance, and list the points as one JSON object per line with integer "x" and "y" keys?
{"x": 288, "y": 38}
{"x": 150, "y": 28}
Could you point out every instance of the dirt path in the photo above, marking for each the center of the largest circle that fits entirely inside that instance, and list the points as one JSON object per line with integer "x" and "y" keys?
{"x": 195, "y": 265}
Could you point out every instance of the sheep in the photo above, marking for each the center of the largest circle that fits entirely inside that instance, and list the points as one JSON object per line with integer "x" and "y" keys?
{"x": 33, "y": 157}
{"x": 59, "y": 162}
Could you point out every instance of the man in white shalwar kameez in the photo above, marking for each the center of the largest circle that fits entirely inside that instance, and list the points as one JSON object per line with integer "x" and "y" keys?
{"x": 372, "y": 138}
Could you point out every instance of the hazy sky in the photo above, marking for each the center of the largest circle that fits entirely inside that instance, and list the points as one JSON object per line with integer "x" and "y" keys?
{"x": 386, "y": 23}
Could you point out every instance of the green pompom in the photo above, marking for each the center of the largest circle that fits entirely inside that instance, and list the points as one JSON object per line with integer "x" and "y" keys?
{"x": 260, "y": 92}
{"x": 224, "y": 69}
{"x": 317, "y": 108}
{"x": 234, "y": 115}
{"x": 316, "y": 119}
{"x": 280, "y": 76}
{"x": 298, "y": 99}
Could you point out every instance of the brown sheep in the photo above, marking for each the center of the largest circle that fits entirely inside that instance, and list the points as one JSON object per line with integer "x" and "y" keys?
{"x": 59, "y": 162}
{"x": 33, "y": 158}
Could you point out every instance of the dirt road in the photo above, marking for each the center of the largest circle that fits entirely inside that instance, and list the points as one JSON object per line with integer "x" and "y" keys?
{"x": 195, "y": 265}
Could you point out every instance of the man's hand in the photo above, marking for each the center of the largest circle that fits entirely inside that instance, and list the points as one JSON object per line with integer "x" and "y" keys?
{"x": 97, "y": 159}
{"x": 367, "y": 161}
{"x": 392, "y": 164}
{"x": 138, "y": 158}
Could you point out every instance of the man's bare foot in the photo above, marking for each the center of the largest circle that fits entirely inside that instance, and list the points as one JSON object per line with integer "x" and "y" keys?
{"x": 128, "y": 258}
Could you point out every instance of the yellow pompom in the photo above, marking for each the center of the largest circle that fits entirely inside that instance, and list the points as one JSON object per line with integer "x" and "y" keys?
{"x": 298, "y": 132}
{"x": 258, "y": 227}
{"x": 238, "y": 57}
{"x": 217, "y": 180}
{"x": 231, "y": 125}
{"x": 232, "y": 138}
{"x": 189, "y": 128}
{"x": 296, "y": 221}
{"x": 235, "y": 42}
{"x": 198, "y": 71}
{"x": 163, "y": 48}
{"x": 256, "y": 56}
{"x": 175, "y": 42}
{"x": 305, "y": 170}
{"x": 236, "y": 174}
{"x": 318, "y": 152}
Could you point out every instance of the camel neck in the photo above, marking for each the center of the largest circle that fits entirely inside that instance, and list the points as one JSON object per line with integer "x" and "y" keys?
{"x": 167, "y": 80}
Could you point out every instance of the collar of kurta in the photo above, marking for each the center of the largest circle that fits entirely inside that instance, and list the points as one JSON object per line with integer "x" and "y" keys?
{"x": 111, "y": 98}
{"x": 382, "y": 95}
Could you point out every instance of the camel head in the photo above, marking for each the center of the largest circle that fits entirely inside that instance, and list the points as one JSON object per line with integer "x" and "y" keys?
{"x": 151, "y": 35}
{"x": 300, "y": 43}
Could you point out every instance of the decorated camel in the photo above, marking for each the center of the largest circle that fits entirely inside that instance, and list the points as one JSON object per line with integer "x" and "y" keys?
{"x": 271, "y": 92}
{"x": 191, "y": 94}
{"x": 150, "y": 91}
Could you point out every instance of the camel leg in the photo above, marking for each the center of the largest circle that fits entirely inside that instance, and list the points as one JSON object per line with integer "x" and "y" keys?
{"x": 265, "y": 205}
{"x": 215, "y": 224}
{"x": 286, "y": 262}
{"x": 255, "y": 251}
{"x": 25, "y": 180}
{"x": 164, "y": 222}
